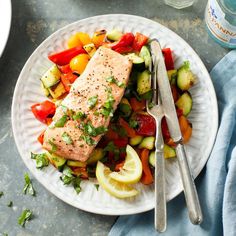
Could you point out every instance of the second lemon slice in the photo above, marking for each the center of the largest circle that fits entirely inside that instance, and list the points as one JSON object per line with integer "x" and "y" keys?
{"x": 131, "y": 172}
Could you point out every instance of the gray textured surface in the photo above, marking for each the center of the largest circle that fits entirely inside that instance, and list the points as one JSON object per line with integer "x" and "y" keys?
{"x": 32, "y": 22}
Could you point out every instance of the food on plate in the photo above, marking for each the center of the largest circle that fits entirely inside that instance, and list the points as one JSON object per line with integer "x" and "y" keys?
{"x": 96, "y": 117}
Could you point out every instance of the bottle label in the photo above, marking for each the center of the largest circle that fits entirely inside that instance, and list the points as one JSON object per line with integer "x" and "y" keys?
{"x": 218, "y": 25}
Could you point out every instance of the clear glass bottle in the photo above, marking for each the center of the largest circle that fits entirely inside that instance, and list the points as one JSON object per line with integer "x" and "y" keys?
{"x": 179, "y": 4}
{"x": 220, "y": 17}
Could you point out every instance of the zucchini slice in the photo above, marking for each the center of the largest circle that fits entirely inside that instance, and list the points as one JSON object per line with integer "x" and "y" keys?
{"x": 169, "y": 152}
{"x": 143, "y": 82}
{"x": 185, "y": 103}
{"x": 76, "y": 163}
{"x": 56, "y": 160}
{"x": 114, "y": 35}
{"x": 145, "y": 54}
{"x": 57, "y": 91}
{"x": 51, "y": 77}
{"x": 45, "y": 90}
{"x": 90, "y": 49}
{"x": 95, "y": 156}
{"x": 138, "y": 62}
{"x": 152, "y": 158}
{"x": 172, "y": 75}
{"x": 148, "y": 143}
{"x": 135, "y": 140}
{"x": 185, "y": 78}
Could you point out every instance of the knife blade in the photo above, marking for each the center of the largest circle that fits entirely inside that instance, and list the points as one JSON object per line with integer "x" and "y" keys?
{"x": 192, "y": 201}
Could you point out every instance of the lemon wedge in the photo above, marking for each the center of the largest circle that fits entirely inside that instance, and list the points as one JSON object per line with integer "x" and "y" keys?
{"x": 112, "y": 186}
{"x": 131, "y": 172}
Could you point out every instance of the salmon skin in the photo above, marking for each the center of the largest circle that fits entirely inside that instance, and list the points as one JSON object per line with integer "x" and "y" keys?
{"x": 87, "y": 109}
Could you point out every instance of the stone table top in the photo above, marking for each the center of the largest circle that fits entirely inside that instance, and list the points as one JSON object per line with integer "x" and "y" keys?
{"x": 32, "y": 22}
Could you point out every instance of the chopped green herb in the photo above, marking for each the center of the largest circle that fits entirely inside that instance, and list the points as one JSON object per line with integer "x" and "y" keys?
{"x": 79, "y": 115}
{"x": 41, "y": 160}
{"x": 107, "y": 109}
{"x": 96, "y": 186}
{"x": 53, "y": 145}
{"x": 25, "y": 216}
{"x": 125, "y": 109}
{"x": 133, "y": 123}
{"x": 112, "y": 79}
{"x": 64, "y": 108}
{"x": 28, "y": 188}
{"x": 88, "y": 139}
{"x": 92, "y": 101}
{"x": 89, "y": 129}
{"x": 119, "y": 130}
{"x": 61, "y": 122}
{"x": 66, "y": 138}
{"x": 96, "y": 113}
{"x": 114, "y": 149}
{"x": 68, "y": 178}
{"x": 1, "y": 194}
{"x": 10, "y": 204}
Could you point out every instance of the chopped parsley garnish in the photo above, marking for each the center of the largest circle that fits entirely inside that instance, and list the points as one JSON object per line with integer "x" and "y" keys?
{"x": 114, "y": 149}
{"x": 96, "y": 186}
{"x": 66, "y": 138}
{"x": 112, "y": 79}
{"x": 1, "y": 194}
{"x": 88, "y": 140}
{"x": 92, "y": 101}
{"x": 119, "y": 130}
{"x": 89, "y": 129}
{"x": 133, "y": 123}
{"x": 10, "y": 204}
{"x": 79, "y": 115}
{"x": 107, "y": 109}
{"x": 68, "y": 178}
{"x": 96, "y": 113}
{"x": 61, "y": 122}
{"x": 53, "y": 145}
{"x": 25, "y": 216}
{"x": 64, "y": 108}
{"x": 41, "y": 160}
{"x": 28, "y": 188}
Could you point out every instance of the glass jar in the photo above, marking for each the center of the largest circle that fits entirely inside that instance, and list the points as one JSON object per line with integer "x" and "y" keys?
{"x": 220, "y": 17}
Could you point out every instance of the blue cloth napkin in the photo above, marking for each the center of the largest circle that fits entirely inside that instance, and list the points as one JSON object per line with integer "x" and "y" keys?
{"x": 217, "y": 182}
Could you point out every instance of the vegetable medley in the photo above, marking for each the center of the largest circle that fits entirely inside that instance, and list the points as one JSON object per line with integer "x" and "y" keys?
{"x": 125, "y": 154}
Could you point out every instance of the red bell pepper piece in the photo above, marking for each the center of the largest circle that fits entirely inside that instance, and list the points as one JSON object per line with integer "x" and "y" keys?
{"x": 165, "y": 130}
{"x": 65, "y": 69}
{"x": 175, "y": 93}
{"x": 111, "y": 134}
{"x": 43, "y": 110}
{"x": 41, "y": 137}
{"x": 146, "y": 125}
{"x": 147, "y": 177}
{"x": 126, "y": 40}
{"x": 121, "y": 142}
{"x": 80, "y": 171}
{"x": 179, "y": 112}
{"x": 137, "y": 105}
{"x": 139, "y": 41}
{"x": 119, "y": 165}
{"x": 130, "y": 131}
{"x": 64, "y": 57}
{"x": 168, "y": 58}
{"x": 67, "y": 80}
{"x": 123, "y": 50}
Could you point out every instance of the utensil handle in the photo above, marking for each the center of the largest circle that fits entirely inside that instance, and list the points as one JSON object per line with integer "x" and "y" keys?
{"x": 191, "y": 196}
{"x": 160, "y": 196}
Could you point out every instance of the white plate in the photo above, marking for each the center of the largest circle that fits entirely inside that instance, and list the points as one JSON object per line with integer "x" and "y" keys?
{"x": 5, "y": 23}
{"x": 26, "y": 128}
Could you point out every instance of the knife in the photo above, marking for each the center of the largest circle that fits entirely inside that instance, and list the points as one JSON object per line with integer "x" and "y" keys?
{"x": 191, "y": 196}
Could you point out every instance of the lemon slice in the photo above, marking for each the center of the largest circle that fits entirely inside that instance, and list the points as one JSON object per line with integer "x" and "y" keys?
{"x": 131, "y": 172}
{"x": 112, "y": 186}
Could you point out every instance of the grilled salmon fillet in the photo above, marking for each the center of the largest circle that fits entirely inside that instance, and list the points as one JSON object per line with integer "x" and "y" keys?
{"x": 84, "y": 114}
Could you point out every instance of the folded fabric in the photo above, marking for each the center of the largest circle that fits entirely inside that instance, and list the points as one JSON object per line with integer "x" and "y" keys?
{"x": 217, "y": 182}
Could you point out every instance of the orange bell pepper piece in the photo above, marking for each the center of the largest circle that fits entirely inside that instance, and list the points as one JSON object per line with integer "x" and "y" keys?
{"x": 130, "y": 131}
{"x": 147, "y": 177}
{"x": 137, "y": 105}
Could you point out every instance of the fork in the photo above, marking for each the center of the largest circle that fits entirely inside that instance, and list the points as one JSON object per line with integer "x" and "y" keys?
{"x": 157, "y": 113}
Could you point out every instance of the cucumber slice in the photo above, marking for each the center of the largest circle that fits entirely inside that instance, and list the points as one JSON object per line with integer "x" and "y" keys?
{"x": 95, "y": 156}
{"x": 90, "y": 49}
{"x": 169, "y": 152}
{"x": 152, "y": 158}
{"x": 138, "y": 62}
{"x": 76, "y": 163}
{"x": 114, "y": 35}
{"x": 143, "y": 82}
{"x": 45, "y": 90}
{"x": 185, "y": 103}
{"x": 172, "y": 75}
{"x": 148, "y": 143}
{"x": 57, "y": 91}
{"x": 51, "y": 77}
{"x": 185, "y": 78}
{"x": 56, "y": 160}
{"x": 135, "y": 140}
{"x": 145, "y": 54}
